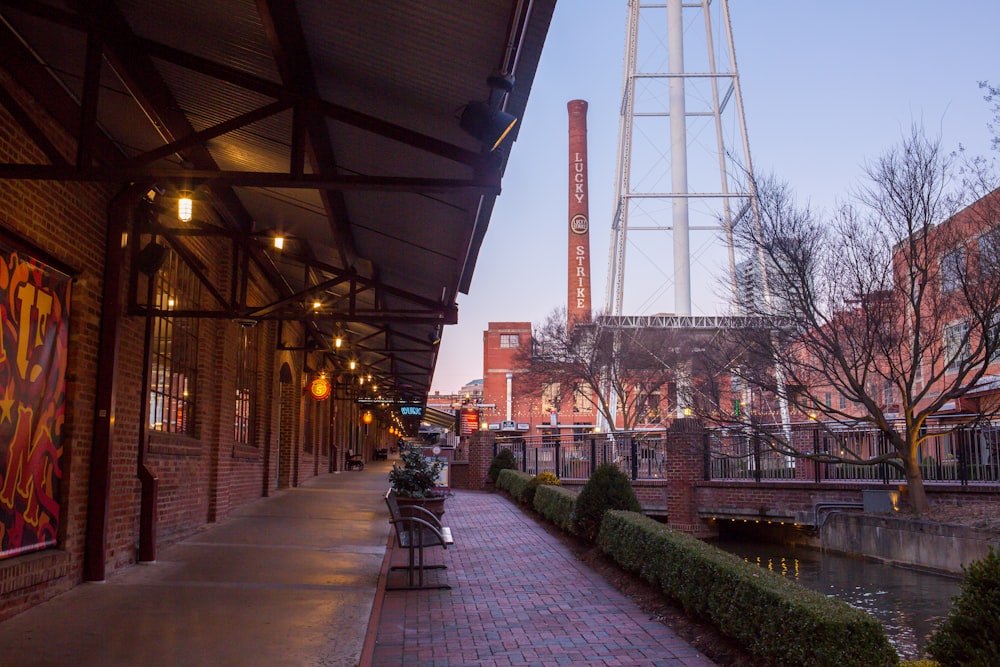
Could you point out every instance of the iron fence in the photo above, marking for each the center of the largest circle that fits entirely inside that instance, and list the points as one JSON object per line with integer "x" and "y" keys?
{"x": 963, "y": 455}
{"x": 640, "y": 455}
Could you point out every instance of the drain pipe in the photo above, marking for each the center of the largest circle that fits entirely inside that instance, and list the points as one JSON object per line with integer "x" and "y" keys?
{"x": 830, "y": 506}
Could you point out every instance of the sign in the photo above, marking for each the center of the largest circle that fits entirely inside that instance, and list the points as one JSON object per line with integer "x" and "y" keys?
{"x": 468, "y": 421}
{"x": 320, "y": 389}
{"x": 34, "y": 330}
{"x": 411, "y": 411}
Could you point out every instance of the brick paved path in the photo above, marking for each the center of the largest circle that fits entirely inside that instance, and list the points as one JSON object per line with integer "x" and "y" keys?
{"x": 518, "y": 597}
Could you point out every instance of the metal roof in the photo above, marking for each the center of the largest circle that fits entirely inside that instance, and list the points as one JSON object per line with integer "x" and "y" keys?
{"x": 332, "y": 123}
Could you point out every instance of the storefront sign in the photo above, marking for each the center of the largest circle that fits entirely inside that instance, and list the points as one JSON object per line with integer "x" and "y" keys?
{"x": 320, "y": 389}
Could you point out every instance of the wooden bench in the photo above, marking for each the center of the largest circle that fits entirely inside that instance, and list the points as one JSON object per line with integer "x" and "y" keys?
{"x": 416, "y": 529}
{"x": 355, "y": 462}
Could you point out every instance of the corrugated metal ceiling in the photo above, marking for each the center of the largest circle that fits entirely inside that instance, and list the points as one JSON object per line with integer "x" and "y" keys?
{"x": 379, "y": 85}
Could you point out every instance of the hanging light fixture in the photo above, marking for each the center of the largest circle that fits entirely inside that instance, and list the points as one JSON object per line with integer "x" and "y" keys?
{"x": 184, "y": 207}
{"x": 353, "y": 364}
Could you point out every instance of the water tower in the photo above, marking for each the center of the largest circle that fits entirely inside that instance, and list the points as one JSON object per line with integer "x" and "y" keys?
{"x": 683, "y": 160}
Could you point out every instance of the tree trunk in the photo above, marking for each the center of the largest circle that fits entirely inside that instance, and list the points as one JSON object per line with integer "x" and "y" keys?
{"x": 915, "y": 483}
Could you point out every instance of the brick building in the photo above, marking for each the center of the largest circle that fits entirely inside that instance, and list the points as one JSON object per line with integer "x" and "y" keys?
{"x": 227, "y": 233}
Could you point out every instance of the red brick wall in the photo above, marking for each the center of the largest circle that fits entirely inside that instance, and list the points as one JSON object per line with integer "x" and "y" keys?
{"x": 201, "y": 478}
{"x": 66, "y": 221}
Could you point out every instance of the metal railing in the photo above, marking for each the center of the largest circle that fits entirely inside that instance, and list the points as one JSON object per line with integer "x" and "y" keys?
{"x": 964, "y": 455}
{"x": 640, "y": 455}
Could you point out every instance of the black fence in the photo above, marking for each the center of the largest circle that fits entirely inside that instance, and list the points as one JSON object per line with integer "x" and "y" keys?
{"x": 962, "y": 455}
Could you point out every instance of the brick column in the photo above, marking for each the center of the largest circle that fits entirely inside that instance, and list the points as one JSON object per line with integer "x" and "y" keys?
{"x": 685, "y": 467}
{"x": 480, "y": 456}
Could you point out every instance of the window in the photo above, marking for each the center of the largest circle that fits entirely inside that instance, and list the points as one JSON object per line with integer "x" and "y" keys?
{"x": 246, "y": 376}
{"x": 550, "y": 397}
{"x": 843, "y": 402}
{"x": 952, "y": 270}
{"x": 989, "y": 250}
{"x": 581, "y": 398}
{"x": 509, "y": 341}
{"x": 956, "y": 344}
{"x": 649, "y": 411}
{"x": 173, "y": 350}
{"x": 888, "y": 394}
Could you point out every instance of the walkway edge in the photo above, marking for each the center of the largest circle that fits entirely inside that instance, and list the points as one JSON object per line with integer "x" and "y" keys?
{"x": 371, "y": 634}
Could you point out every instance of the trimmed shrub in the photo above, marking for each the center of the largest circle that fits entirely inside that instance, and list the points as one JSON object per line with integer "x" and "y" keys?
{"x": 504, "y": 460}
{"x": 607, "y": 489}
{"x": 970, "y": 635}
{"x": 556, "y": 504}
{"x": 513, "y": 482}
{"x": 541, "y": 479}
{"x": 777, "y": 620}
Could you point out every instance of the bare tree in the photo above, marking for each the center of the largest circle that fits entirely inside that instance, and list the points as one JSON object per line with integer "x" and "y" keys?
{"x": 627, "y": 375}
{"x": 893, "y": 305}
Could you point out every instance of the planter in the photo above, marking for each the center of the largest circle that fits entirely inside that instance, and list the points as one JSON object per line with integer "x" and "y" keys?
{"x": 434, "y": 504}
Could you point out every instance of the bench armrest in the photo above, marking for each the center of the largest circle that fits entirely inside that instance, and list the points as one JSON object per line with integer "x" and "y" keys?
{"x": 419, "y": 512}
{"x": 413, "y": 526}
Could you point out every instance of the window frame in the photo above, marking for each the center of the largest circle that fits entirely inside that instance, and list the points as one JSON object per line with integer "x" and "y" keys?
{"x": 173, "y": 351}
{"x": 247, "y": 358}
{"x": 506, "y": 341}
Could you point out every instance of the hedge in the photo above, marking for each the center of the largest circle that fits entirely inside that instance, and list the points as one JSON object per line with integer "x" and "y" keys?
{"x": 513, "y": 482}
{"x": 557, "y": 505}
{"x": 776, "y": 620}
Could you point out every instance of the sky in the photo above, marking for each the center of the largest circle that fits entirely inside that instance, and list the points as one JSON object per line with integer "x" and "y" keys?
{"x": 826, "y": 87}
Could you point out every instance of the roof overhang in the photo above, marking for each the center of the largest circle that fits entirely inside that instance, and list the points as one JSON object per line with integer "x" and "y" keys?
{"x": 331, "y": 124}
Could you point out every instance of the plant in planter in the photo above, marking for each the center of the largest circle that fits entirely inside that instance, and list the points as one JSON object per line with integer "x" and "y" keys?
{"x": 413, "y": 482}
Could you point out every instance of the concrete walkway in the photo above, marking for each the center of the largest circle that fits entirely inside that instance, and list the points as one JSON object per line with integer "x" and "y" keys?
{"x": 295, "y": 580}
{"x": 286, "y": 580}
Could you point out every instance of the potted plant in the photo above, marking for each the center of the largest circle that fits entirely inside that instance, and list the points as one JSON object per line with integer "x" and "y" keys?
{"x": 414, "y": 481}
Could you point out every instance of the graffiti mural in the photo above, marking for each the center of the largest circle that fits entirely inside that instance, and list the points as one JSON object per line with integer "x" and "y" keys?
{"x": 34, "y": 324}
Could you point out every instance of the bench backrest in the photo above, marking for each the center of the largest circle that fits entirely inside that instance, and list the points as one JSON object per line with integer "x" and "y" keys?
{"x": 390, "y": 500}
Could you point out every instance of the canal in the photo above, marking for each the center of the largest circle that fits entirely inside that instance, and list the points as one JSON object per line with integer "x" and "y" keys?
{"x": 909, "y": 603}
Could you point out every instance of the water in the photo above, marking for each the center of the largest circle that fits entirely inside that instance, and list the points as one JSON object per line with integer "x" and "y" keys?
{"x": 909, "y": 604}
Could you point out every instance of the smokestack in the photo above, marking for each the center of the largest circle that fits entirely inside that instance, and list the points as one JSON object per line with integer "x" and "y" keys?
{"x": 578, "y": 296}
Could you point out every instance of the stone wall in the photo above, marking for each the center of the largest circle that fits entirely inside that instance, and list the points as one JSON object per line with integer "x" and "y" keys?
{"x": 900, "y": 541}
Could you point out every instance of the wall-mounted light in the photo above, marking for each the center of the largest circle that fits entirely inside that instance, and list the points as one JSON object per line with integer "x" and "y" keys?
{"x": 367, "y": 418}
{"x": 488, "y": 126}
{"x": 184, "y": 207}
{"x": 486, "y": 121}
{"x": 151, "y": 258}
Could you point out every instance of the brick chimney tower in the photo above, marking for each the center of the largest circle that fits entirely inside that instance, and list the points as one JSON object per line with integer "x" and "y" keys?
{"x": 578, "y": 296}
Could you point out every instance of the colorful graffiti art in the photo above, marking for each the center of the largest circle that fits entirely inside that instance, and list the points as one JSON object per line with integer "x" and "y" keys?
{"x": 34, "y": 328}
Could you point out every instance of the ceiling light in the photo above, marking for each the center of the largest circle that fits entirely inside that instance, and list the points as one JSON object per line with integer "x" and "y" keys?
{"x": 184, "y": 207}
{"x": 279, "y": 242}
